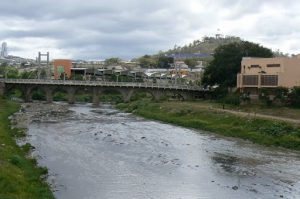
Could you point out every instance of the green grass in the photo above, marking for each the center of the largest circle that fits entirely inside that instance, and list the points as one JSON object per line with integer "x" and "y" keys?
{"x": 20, "y": 177}
{"x": 199, "y": 116}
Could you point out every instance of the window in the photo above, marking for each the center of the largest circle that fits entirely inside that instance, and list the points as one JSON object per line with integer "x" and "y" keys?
{"x": 249, "y": 80}
{"x": 273, "y": 65}
{"x": 269, "y": 80}
{"x": 255, "y": 66}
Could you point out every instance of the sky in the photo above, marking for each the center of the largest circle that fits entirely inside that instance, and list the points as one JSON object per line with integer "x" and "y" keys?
{"x": 100, "y": 29}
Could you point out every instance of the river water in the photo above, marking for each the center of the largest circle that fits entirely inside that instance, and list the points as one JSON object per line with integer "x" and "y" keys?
{"x": 101, "y": 153}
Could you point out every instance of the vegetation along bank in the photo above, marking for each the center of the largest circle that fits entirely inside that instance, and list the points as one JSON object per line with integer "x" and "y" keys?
{"x": 20, "y": 177}
{"x": 194, "y": 115}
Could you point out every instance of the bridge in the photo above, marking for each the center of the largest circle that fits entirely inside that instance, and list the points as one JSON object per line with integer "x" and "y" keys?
{"x": 71, "y": 87}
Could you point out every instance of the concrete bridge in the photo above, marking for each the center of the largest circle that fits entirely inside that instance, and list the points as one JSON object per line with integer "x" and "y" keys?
{"x": 96, "y": 88}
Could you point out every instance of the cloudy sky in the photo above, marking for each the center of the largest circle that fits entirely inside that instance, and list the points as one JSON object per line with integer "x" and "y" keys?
{"x": 99, "y": 29}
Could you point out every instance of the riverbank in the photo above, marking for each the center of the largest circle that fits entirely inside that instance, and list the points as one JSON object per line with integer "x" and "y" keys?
{"x": 262, "y": 131}
{"x": 121, "y": 156}
{"x": 20, "y": 177}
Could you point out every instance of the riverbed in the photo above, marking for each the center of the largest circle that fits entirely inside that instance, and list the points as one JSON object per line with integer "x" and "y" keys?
{"x": 95, "y": 153}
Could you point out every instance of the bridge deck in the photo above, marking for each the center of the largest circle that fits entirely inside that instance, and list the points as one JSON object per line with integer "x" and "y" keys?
{"x": 102, "y": 84}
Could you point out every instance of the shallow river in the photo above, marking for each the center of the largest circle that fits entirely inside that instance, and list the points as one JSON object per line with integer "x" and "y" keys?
{"x": 103, "y": 153}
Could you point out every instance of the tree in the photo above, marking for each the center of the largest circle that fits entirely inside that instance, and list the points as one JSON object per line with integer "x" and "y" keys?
{"x": 223, "y": 69}
{"x": 3, "y": 69}
{"x": 112, "y": 61}
{"x": 28, "y": 74}
{"x": 165, "y": 62}
{"x": 147, "y": 61}
{"x": 11, "y": 72}
{"x": 191, "y": 62}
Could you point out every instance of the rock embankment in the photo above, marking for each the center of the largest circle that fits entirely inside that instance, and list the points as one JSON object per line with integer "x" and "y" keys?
{"x": 39, "y": 112}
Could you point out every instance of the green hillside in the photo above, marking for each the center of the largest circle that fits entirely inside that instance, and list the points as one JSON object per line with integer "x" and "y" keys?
{"x": 205, "y": 46}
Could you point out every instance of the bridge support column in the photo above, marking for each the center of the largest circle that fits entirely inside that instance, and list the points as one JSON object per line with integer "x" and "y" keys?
{"x": 28, "y": 94}
{"x": 96, "y": 100}
{"x": 49, "y": 95}
{"x": 71, "y": 95}
{"x": 187, "y": 96}
{"x": 126, "y": 93}
{"x": 157, "y": 94}
{"x": 2, "y": 88}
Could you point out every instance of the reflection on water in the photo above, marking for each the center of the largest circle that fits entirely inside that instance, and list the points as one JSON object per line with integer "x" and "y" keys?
{"x": 103, "y": 153}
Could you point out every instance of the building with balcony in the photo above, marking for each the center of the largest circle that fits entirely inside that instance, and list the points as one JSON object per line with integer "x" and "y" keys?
{"x": 275, "y": 72}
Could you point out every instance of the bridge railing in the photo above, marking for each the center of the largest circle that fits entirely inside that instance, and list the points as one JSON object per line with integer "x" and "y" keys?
{"x": 104, "y": 83}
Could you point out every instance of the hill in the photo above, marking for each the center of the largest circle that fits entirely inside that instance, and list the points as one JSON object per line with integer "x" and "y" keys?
{"x": 198, "y": 50}
{"x": 205, "y": 46}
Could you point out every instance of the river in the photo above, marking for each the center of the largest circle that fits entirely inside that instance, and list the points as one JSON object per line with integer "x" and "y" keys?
{"x": 101, "y": 153}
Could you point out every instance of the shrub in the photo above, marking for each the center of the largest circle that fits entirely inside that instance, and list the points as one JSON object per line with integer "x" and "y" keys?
{"x": 232, "y": 98}
{"x": 294, "y": 97}
{"x": 16, "y": 160}
{"x": 219, "y": 93}
{"x": 27, "y": 147}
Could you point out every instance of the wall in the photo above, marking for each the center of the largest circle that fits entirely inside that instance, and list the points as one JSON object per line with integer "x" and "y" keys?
{"x": 62, "y": 65}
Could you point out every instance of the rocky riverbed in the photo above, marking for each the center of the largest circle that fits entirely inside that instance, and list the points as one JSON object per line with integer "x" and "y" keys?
{"x": 103, "y": 153}
{"x": 39, "y": 112}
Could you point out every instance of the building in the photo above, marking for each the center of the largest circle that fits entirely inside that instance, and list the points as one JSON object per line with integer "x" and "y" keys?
{"x": 187, "y": 56}
{"x": 275, "y": 72}
{"x": 4, "y": 52}
{"x": 62, "y": 68}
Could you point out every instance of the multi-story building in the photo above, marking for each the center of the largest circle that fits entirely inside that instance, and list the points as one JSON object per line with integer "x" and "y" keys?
{"x": 3, "y": 53}
{"x": 268, "y": 73}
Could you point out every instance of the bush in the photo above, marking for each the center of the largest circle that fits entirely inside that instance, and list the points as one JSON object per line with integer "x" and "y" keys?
{"x": 16, "y": 160}
{"x": 60, "y": 96}
{"x": 219, "y": 93}
{"x": 38, "y": 95}
{"x": 270, "y": 95}
{"x": 264, "y": 96}
{"x": 277, "y": 129}
{"x": 232, "y": 98}
{"x": 294, "y": 97}
{"x": 27, "y": 147}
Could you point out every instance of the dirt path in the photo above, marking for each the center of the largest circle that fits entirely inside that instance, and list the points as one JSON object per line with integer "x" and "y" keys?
{"x": 259, "y": 115}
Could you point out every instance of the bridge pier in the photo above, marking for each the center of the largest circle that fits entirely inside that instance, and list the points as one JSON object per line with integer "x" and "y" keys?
{"x": 126, "y": 94}
{"x": 157, "y": 94}
{"x": 28, "y": 94}
{"x": 49, "y": 94}
{"x": 2, "y": 88}
{"x": 96, "y": 100}
{"x": 187, "y": 96}
{"x": 71, "y": 95}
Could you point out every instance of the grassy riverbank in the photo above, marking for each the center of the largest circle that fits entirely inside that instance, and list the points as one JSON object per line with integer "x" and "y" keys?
{"x": 200, "y": 116}
{"x": 20, "y": 177}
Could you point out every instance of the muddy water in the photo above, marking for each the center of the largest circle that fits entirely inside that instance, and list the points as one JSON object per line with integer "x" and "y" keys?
{"x": 102, "y": 153}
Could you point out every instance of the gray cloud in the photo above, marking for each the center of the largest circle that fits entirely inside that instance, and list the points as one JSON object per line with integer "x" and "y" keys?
{"x": 99, "y": 29}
